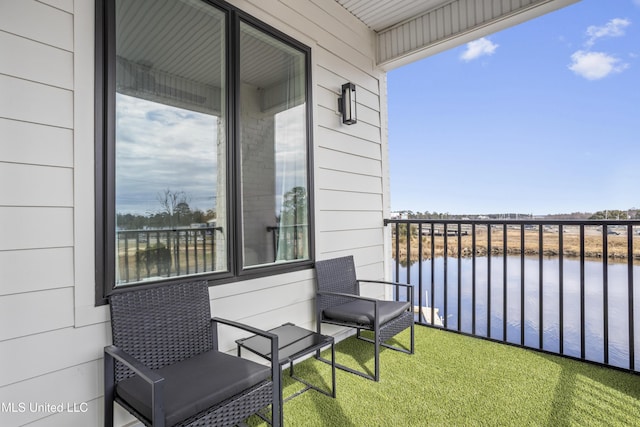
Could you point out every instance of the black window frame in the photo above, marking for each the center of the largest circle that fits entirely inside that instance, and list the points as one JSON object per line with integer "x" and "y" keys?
{"x": 105, "y": 155}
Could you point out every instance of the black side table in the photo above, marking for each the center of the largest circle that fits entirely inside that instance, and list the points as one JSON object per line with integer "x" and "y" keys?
{"x": 293, "y": 343}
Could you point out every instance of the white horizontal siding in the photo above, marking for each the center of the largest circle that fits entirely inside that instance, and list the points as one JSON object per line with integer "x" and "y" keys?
{"x": 92, "y": 417}
{"x": 38, "y": 21}
{"x": 75, "y": 384}
{"x": 35, "y": 102}
{"x": 28, "y": 185}
{"x": 332, "y": 200}
{"x": 334, "y": 70}
{"x": 327, "y": 118}
{"x": 266, "y": 302}
{"x": 299, "y": 308}
{"x": 346, "y": 181}
{"x": 332, "y": 241}
{"x": 349, "y": 220}
{"x": 33, "y": 228}
{"x": 35, "y": 61}
{"x": 32, "y": 356}
{"x": 339, "y": 141}
{"x": 338, "y": 160}
{"x": 65, "y": 5}
{"x": 31, "y": 143}
{"x": 37, "y": 269}
{"x": 35, "y": 312}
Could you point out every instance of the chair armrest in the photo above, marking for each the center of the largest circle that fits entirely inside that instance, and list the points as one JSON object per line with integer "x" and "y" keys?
{"x": 343, "y": 294}
{"x": 275, "y": 357}
{"x": 396, "y": 284}
{"x": 134, "y": 364}
{"x": 245, "y": 327}
{"x": 384, "y": 282}
{"x": 112, "y": 353}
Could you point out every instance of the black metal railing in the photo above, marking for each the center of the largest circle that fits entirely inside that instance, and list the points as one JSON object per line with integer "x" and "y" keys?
{"x": 288, "y": 242}
{"x": 156, "y": 253}
{"x": 562, "y": 287}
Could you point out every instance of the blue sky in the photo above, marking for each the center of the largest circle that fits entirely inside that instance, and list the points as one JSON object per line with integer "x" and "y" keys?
{"x": 540, "y": 118}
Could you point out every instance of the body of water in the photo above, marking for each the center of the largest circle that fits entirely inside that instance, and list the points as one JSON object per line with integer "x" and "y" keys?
{"x": 489, "y": 292}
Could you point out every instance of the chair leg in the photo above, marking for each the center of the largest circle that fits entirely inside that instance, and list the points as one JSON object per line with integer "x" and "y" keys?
{"x": 108, "y": 390}
{"x": 377, "y": 356}
{"x": 413, "y": 341}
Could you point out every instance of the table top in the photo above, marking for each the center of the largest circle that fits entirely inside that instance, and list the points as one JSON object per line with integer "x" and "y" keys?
{"x": 293, "y": 341}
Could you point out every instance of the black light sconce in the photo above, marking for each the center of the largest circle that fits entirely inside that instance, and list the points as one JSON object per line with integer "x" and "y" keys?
{"x": 347, "y": 104}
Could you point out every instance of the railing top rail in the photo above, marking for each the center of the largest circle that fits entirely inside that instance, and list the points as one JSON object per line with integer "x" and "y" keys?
{"x": 170, "y": 229}
{"x": 586, "y": 222}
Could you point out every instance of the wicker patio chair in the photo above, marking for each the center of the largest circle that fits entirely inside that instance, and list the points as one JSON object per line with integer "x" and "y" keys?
{"x": 164, "y": 366}
{"x": 339, "y": 302}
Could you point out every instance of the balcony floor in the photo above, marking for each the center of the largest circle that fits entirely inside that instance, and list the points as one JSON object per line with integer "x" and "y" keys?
{"x": 458, "y": 380}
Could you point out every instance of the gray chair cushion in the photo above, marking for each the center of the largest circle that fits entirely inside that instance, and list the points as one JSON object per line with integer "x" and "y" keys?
{"x": 362, "y": 312}
{"x": 189, "y": 386}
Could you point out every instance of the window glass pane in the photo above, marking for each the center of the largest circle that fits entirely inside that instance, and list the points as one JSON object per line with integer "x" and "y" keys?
{"x": 170, "y": 151}
{"x": 273, "y": 150}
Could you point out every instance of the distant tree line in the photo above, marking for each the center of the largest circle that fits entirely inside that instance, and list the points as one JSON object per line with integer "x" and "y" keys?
{"x": 614, "y": 214}
{"x": 425, "y": 215}
{"x": 174, "y": 212}
{"x": 617, "y": 214}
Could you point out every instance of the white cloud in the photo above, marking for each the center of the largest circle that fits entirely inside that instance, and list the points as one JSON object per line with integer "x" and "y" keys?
{"x": 613, "y": 28}
{"x": 595, "y": 65}
{"x": 162, "y": 147}
{"x": 478, "y": 48}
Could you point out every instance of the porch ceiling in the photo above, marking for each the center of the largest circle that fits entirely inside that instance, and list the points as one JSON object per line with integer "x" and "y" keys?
{"x": 408, "y": 30}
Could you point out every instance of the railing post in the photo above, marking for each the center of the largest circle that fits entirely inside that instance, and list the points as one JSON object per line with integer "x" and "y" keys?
{"x": 504, "y": 281}
{"x": 522, "y": 285}
{"x": 630, "y": 296}
{"x": 473, "y": 278}
{"x": 541, "y": 288}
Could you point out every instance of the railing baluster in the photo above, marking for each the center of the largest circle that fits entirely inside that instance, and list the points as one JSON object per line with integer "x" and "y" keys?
{"x": 408, "y": 259}
{"x": 195, "y": 250}
{"x": 446, "y": 276}
{"x": 522, "y": 286}
{"x": 473, "y": 278}
{"x": 459, "y": 276}
{"x": 630, "y": 296}
{"x": 540, "y": 288}
{"x": 582, "y": 313}
{"x": 489, "y": 254}
{"x": 605, "y": 292}
{"x": 397, "y": 251}
{"x": 433, "y": 268}
{"x": 504, "y": 282}
{"x": 420, "y": 314}
{"x": 126, "y": 257}
{"x": 560, "y": 289}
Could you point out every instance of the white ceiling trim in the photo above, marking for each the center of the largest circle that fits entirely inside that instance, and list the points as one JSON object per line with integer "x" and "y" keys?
{"x": 409, "y": 30}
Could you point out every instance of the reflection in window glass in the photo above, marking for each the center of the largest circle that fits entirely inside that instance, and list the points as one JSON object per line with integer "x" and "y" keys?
{"x": 273, "y": 150}
{"x": 170, "y": 152}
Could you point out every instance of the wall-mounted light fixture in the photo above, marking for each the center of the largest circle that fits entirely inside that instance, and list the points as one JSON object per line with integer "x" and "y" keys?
{"x": 347, "y": 104}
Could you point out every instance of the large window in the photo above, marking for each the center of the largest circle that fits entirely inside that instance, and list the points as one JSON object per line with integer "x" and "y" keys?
{"x": 203, "y": 137}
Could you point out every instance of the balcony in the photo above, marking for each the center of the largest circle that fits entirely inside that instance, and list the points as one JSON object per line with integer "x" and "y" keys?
{"x": 561, "y": 295}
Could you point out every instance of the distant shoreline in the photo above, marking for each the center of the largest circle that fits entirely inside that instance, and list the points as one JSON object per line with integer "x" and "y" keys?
{"x": 616, "y": 251}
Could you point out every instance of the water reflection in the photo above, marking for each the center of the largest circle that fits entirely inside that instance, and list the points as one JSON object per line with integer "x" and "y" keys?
{"x": 538, "y": 292}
